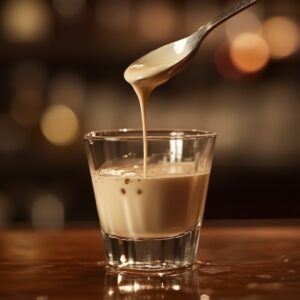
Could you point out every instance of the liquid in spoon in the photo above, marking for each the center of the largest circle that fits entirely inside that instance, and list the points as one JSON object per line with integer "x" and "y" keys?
{"x": 158, "y": 66}
{"x": 144, "y": 78}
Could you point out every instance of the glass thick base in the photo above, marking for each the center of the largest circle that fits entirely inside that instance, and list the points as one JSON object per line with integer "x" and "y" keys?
{"x": 156, "y": 255}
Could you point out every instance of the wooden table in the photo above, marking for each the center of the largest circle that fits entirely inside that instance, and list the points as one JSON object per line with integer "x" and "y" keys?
{"x": 240, "y": 262}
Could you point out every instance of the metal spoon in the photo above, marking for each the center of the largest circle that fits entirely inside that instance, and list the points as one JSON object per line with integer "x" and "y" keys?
{"x": 163, "y": 63}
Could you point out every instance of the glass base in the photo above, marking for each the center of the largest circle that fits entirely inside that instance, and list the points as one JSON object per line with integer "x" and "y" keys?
{"x": 161, "y": 254}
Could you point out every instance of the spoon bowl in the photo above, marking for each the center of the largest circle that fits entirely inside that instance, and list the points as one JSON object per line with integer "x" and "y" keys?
{"x": 165, "y": 62}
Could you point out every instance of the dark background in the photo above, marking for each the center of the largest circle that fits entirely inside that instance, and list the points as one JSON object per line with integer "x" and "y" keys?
{"x": 62, "y": 65}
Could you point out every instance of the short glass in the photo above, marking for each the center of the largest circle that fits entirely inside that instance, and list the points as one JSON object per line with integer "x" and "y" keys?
{"x": 150, "y": 222}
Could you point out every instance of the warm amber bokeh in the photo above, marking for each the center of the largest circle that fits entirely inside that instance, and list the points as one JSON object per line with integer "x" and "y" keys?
{"x": 62, "y": 75}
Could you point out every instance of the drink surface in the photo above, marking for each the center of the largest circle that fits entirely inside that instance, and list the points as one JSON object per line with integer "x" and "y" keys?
{"x": 166, "y": 203}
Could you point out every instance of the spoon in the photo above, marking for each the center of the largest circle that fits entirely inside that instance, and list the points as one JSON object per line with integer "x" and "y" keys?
{"x": 161, "y": 64}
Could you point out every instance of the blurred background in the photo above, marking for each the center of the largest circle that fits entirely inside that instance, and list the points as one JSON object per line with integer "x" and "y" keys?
{"x": 62, "y": 65}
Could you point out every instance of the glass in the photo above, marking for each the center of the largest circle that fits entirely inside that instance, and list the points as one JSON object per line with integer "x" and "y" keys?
{"x": 150, "y": 222}
{"x": 186, "y": 284}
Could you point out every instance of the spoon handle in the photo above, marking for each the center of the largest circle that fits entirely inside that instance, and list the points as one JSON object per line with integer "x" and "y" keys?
{"x": 231, "y": 11}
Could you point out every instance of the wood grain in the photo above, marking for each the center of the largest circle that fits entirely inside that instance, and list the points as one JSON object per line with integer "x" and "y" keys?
{"x": 250, "y": 263}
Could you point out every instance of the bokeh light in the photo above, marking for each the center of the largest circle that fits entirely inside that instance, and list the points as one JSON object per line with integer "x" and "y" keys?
{"x": 279, "y": 117}
{"x": 249, "y": 52}
{"x": 105, "y": 108}
{"x": 164, "y": 24}
{"x": 67, "y": 8}
{"x": 224, "y": 63}
{"x": 26, "y": 20}
{"x": 225, "y": 121}
{"x": 60, "y": 125}
{"x": 47, "y": 212}
{"x": 114, "y": 15}
{"x": 195, "y": 16}
{"x": 12, "y": 137}
{"x": 247, "y": 21}
{"x": 26, "y": 107}
{"x": 282, "y": 36}
{"x": 68, "y": 89}
{"x": 29, "y": 74}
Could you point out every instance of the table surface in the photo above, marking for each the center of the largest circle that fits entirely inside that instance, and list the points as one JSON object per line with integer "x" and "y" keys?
{"x": 235, "y": 262}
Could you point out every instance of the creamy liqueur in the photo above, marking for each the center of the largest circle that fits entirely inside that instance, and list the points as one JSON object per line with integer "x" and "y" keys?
{"x": 156, "y": 200}
{"x": 146, "y": 74}
{"x": 168, "y": 202}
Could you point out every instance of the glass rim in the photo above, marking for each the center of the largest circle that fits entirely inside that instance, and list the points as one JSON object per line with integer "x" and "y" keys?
{"x": 124, "y": 134}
